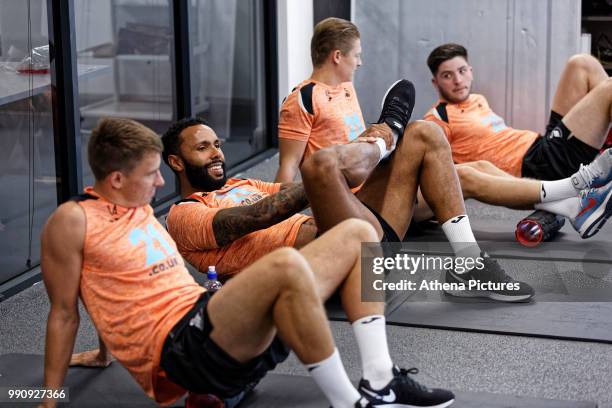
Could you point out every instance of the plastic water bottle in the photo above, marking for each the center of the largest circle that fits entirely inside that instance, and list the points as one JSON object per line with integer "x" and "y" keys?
{"x": 537, "y": 227}
{"x": 212, "y": 284}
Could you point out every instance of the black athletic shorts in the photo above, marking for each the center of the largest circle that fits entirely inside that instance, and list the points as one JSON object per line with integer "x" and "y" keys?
{"x": 389, "y": 234}
{"x": 193, "y": 361}
{"x": 556, "y": 155}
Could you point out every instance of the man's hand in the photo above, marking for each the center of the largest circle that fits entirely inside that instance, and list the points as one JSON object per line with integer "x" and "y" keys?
{"x": 91, "y": 358}
{"x": 375, "y": 131}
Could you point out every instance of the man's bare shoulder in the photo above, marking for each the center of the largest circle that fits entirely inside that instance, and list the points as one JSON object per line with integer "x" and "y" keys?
{"x": 67, "y": 223}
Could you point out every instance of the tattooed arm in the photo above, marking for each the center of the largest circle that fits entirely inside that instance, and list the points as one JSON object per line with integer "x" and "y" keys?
{"x": 229, "y": 224}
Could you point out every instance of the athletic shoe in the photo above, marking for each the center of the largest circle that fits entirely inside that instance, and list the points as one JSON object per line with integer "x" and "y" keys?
{"x": 403, "y": 391}
{"x": 492, "y": 281}
{"x": 362, "y": 403}
{"x": 397, "y": 105}
{"x": 596, "y": 174}
{"x": 595, "y": 209}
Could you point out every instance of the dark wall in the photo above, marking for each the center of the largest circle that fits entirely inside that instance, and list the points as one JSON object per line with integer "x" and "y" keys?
{"x": 331, "y": 8}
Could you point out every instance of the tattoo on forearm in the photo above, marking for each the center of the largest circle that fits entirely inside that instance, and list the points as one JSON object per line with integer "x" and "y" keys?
{"x": 230, "y": 224}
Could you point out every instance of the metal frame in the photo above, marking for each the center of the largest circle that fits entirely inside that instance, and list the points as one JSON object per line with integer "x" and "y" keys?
{"x": 271, "y": 69}
{"x": 65, "y": 94}
{"x": 182, "y": 59}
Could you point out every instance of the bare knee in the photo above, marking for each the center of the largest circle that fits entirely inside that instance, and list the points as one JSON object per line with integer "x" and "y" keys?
{"x": 290, "y": 269}
{"x": 427, "y": 132}
{"x": 360, "y": 230}
{"x": 321, "y": 163}
{"x": 584, "y": 62}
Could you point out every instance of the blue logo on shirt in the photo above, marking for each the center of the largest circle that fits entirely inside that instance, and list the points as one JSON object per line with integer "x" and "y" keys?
{"x": 157, "y": 247}
{"x": 495, "y": 121}
{"x": 236, "y": 194}
{"x": 354, "y": 124}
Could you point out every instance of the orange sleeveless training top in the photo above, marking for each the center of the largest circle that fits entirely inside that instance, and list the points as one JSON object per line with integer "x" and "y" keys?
{"x": 321, "y": 115}
{"x": 475, "y": 132}
{"x": 135, "y": 286}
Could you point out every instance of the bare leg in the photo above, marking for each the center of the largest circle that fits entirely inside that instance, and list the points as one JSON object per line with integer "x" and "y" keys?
{"x": 507, "y": 191}
{"x": 483, "y": 181}
{"x": 486, "y": 167}
{"x": 581, "y": 74}
{"x": 322, "y": 255}
{"x": 422, "y": 157}
{"x": 590, "y": 118}
{"x": 246, "y": 316}
{"x": 326, "y": 176}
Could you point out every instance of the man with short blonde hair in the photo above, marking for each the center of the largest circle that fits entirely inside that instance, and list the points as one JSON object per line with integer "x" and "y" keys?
{"x": 322, "y": 110}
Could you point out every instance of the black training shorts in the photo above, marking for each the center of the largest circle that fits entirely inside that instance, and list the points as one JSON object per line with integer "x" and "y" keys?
{"x": 193, "y": 361}
{"x": 556, "y": 155}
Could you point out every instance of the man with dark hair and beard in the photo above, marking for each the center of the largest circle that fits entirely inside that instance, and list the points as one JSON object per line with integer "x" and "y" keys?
{"x": 230, "y": 223}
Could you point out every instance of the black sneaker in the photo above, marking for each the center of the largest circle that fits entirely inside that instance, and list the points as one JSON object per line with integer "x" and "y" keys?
{"x": 403, "y": 391}
{"x": 494, "y": 283}
{"x": 397, "y": 106}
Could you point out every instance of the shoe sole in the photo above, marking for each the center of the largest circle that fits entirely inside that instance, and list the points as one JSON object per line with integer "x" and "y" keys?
{"x": 601, "y": 216}
{"x": 443, "y": 405}
{"x": 489, "y": 295}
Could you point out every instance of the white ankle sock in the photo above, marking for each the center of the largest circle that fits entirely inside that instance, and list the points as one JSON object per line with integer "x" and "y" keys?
{"x": 459, "y": 233}
{"x": 382, "y": 146}
{"x": 557, "y": 190}
{"x": 332, "y": 379}
{"x": 371, "y": 335}
{"x": 570, "y": 207}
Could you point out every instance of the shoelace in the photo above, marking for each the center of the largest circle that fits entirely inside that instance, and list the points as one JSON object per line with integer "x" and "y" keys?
{"x": 396, "y": 108}
{"x": 413, "y": 371}
{"x": 589, "y": 173}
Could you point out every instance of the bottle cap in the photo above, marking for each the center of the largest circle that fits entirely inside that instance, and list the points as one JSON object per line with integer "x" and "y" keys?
{"x": 212, "y": 273}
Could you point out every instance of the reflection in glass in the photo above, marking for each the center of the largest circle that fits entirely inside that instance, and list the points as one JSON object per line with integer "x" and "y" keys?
{"x": 227, "y": 72}
{"x": 126, "y": 44}
{"x": 28, "y": 184}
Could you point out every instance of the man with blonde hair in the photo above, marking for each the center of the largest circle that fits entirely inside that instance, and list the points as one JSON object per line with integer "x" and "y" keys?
{"x": 322, "y": 110}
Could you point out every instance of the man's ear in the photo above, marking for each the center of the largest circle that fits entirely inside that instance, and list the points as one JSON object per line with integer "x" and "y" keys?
{"x": 116, "y": 179}
{"x": 336, "y": 54}
{"x": 176, "y": 163}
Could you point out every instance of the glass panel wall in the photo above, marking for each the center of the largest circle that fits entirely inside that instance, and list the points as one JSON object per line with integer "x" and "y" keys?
{"x": 125, "y": 68}
{"x": 28, "y": 184}
{"x": 227, "y": 70}
{"x": 124, "y": 51}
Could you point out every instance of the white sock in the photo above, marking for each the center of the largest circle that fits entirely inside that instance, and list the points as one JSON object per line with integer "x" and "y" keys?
{"x": 459, "y": 233}
{"x": 382, "y": 146}
{"x": 557, "y": 190}
{"x": 371, "y": 335}
{"x": 332, "y": 379}
{"x": 570, "y": 207}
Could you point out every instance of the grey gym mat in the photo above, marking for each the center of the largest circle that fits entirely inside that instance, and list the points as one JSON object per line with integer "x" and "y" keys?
{"x": 281, "y": 391}
{"x": 87, "y": 387}
{"x": 558, "y": 320}
{"x": 113, "y": 387}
